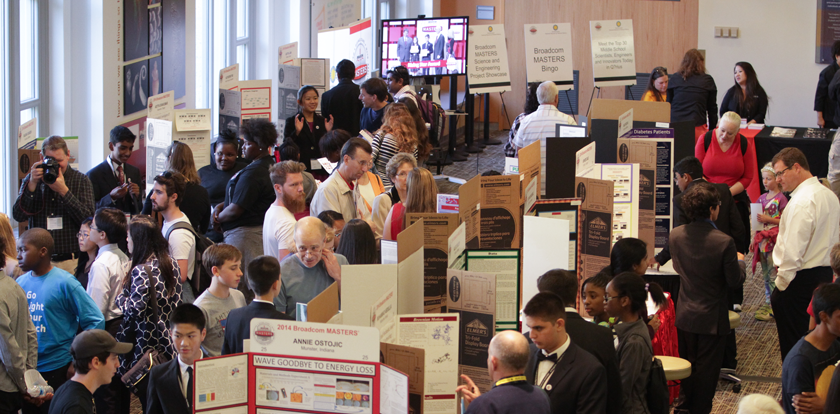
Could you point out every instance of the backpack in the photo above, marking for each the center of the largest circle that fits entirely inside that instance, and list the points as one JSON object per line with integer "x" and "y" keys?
{"x": 707, "y": 140}
{"x": 658, "y": 397}
{"x": 201, "y": 277}
{"x": 433, "y": 114}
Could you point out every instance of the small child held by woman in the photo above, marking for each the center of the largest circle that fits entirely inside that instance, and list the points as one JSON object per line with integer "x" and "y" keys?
{"x": 773, "y": 202}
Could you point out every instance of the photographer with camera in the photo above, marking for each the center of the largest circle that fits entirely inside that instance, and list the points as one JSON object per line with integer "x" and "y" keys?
{"x": 57, "y": 198}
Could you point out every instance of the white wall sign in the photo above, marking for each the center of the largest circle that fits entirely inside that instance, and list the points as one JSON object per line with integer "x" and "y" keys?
{"x": 351, "y": 43}
{"x": 307, "y": 339}
{"x": 613, "y": 52}
{"x": 487, "y": 59}
{"x": 548, "y": 54}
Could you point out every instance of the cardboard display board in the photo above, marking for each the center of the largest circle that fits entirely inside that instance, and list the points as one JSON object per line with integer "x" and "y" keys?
{"x": 487, "y": 59}
{"x": 558, "y": 174}
{"x": 27, "y": 132}
{"x": 322, "y": 307}
{"x": 473, "y": 296}
{"x": 469, "y": 209}
{"x": 644, "y": 153}
{"x": 268, "y": 383}
{"x": 544, "y": 237}
{"x": 307, "y": 339}
{"x": 501, "y": 217}
{"x": 161, "y": 106}
{"x": 530, "y": 167}
{"x": 438, "y": 335}
{"x": 506, "y": 265}
{"x": 411, "y": 361}
{"x": 256, "y": 101}
{"x": 230, "y": 110}
{"x": 383, "y": 316}
{"x": 361, "y": 287}
{"x": 288, "y": 84}
{"x": 548, "y": 54}
{"x": 436, "y": 231}
{"x": 287, "y": 53}
{"x": 613, "y": 52}
{"x": 603, "y": 125}
{"x": 565, "y": 209}
{"x": 595, "y": 224}
{"x": 194, "y": 128}
{"x": 229, "y": 77}
{"x": 410, "y": 269}
{"x": 457, "y": 245}
{"x": 158, "y": 139}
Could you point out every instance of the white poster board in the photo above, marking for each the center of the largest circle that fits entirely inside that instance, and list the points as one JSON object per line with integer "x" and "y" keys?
{"x": 548, "y": 54}
{"x": 585, "y": 161}
{"x": 158, "y": 139}
{"x": 27, "y": 134}
{"x": 194, "y": 128}
{"x": 287, "y": 54}
{"x": 161, "y": 106}
{"x": 351, "y": 43}
{"x": 361, "y": 286}
{"x": 320, "y": 340}
{"x": 613, "y": 52}
{"x": 438, "y": 335}
{"x": 543, "y": 238}
{"x": 487, "y": 59}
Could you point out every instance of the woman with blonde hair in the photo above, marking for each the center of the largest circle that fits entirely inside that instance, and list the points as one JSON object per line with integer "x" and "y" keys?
{"x": 8, "y": 237}
{"x": 398, "y": 134}
{"x": 421, "y": 197}
{"x": 179, "y": 158}
{"x": 693, "y": 94}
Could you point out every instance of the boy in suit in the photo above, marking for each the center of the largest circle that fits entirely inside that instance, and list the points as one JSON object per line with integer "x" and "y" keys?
{"x": 265, "y": 282}
{"x": 171, "y": 383}
{"x": 574, "y": 379}
{"x": 115, "y": 182}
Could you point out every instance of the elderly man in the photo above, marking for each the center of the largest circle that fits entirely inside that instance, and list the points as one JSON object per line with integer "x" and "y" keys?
{"x": 511, "y": 392}
{"x": 541, "y": 124}
{"x": 310, "y": 270}
{"x": 338, "y": 192}
{"x": 807, "y": 232}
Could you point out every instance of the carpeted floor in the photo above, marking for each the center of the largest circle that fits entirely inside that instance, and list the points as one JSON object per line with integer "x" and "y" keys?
{"x": 759, "y": 361}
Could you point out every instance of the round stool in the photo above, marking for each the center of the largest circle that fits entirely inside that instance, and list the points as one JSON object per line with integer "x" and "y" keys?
{"x": 734, "y": 320}
{"x": 675, "y": 368}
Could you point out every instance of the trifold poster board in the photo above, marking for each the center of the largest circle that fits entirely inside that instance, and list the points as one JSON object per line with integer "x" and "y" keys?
{"x": 530, "y": 167}
{"x": 436, "y": 231}
{"x": 158, "y": 139}
{"x": 559, "y": 181}
{"x": 625, "y": 178}
{"x": 314, "y": 72}
{"x": 410, "y": 269}
{"x": 548, "y": 54}
{"x": 642, "y": 153}
{"x": 411, "y": 361}
{"x": 288, "y": 84}
{"x": 491, "y": 208}
{"x": 595, "y": 224}
{"x": 663, "y": 138}
{"x": 274, "y": 383}
{"x": 613, "y": 52}
{"x": 321, "y": 308}
{"x": 438, "y": 335}
{"x": 349, "y": 42}
{"x": 287, "y": 53}
{"x": 603, "y": 124}
{"x": 255, "y": 99}
{"x": 457, "y": 245}
{"x": 505, "y": 264}
{"x": 161, "y": 106}
{"x": 473, "y": 296}
{"x": 567, "y": 209}
{"x": 544, "y": 238}
{"x": 194, "y": 128}
{"x": 487, "y": 59}
{"x": 230, "y": 100}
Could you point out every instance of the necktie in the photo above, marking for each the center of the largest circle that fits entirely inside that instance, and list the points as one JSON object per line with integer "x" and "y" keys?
{"x": 543, "y": 357}
{"x": 190, "y": 383}
{"x": 120, "y": 174}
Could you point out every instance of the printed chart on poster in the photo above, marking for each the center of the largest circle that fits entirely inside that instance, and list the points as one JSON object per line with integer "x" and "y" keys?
{"x": 505, "y": 265}
{"x": 613, "y": 52}
{"x": 548, "y": 54}
{"x": 351, "y": 43}
{"x": 438, "y": 335}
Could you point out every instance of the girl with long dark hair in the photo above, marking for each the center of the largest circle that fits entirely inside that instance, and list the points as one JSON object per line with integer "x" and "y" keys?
{"x": 657, "y": 88}
{"x": 358, "y": 244}
{"x": 746, "y": 98}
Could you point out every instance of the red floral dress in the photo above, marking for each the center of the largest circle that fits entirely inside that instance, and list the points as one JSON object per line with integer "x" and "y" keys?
{"x": 665, "y": 340}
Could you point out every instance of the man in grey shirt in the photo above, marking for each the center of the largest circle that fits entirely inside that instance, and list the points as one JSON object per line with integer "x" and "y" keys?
{"x": 310, "y": 270}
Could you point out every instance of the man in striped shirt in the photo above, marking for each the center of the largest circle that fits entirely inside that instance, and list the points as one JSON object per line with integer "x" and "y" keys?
{"x": 542, "y": 123}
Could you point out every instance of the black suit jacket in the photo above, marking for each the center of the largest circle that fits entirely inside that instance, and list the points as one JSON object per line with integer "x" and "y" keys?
{"x": 707, "y": 262}
{"x": 598, "y": 341}
{"x": 164, "y": 394}
{"x": 578, "y": 384}
{"x": 239, "y": 324}
{"x": 308, "y": 141}
{"x": 728, "y": 221}
{"x": 430, "y": 47}
{"x": 342, "y": 102}
{"x": 440, "y": 45}
{"x": 103, "y": 180}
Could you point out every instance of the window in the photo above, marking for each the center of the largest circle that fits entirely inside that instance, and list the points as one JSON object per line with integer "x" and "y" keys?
{"x": 25, "y": 86}
{"x": 223, "y": 37}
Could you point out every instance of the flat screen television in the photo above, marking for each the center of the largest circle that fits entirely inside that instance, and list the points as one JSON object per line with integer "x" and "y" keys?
{"x": 426, "y": 47}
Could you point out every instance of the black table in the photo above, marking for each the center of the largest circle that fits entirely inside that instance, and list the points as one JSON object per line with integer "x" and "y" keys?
{"x": 815, "y": 149}
{"x": 670, "y": 283}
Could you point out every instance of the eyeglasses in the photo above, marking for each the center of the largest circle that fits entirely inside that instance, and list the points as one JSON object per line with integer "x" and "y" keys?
{"x": 364, "y": 164}
{"x": 82, "y": 236}
{"x": 782, "y": 172}
{"x": 314, "y": 250}
{"x": 608, "y": 298}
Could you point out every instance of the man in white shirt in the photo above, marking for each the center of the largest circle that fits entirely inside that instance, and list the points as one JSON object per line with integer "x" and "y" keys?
{"x": 336, "y": 193}
{"x": 542, "y": 123}
{"x": 810, "y": 227}
{"x": 110, "y": 266}
{"x": 166, "y": 198}
{"x": 279, "y": 224}
{"x": 397, "y": 81}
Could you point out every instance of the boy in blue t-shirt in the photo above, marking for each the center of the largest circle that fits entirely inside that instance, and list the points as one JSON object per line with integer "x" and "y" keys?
{"x": 58, "y": 306}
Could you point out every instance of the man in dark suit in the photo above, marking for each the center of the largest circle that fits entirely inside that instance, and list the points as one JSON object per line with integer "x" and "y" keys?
{"x": 709, "y": 265}
{"x": 116, "y": 183}
{"x": 264, "y": 280}
{"x": 427, "y": 49}
{"x": 574, "y": 379}
{"x": 597, "y": 340}
{"x": 440, "y": 48}
{"x": 511, "y": 392}
{"x": 171, "y": 386}
{"x": 342, "y": 101}
{"x": 404, "y": 47}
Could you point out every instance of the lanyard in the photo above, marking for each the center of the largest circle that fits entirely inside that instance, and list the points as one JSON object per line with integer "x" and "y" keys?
{"x": 550, "y": 371}
{"x": 516, "y": 378}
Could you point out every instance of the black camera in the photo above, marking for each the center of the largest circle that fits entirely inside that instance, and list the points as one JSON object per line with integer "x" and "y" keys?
{"x": 50, "y": 167}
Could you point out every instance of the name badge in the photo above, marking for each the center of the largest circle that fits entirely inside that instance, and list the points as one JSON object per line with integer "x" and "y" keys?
{"x": 314, "y": 164}
{"x": 55, "y": 223}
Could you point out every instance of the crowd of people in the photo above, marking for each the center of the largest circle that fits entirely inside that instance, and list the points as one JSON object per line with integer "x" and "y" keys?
{"x": 108, "y": 277}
